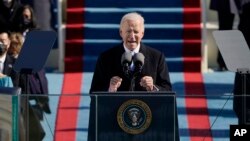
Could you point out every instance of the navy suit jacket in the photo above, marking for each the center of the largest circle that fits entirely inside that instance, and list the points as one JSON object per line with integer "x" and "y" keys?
{"x": 109, "y": 65}
{"x": 8, "y": 69}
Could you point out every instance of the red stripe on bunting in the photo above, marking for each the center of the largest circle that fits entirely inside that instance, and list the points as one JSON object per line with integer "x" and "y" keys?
{"x": 196, "y": 108}
{"x": 67, "y": 112}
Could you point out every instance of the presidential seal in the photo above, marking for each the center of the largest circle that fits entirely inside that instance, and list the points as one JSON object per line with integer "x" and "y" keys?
{"x": 134, "y": 116}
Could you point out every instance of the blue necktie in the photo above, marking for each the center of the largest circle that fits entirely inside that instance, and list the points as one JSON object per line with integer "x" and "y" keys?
{"x": 132, "y": 66}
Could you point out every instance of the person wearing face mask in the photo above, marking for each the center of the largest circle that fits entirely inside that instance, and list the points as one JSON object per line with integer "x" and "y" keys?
{"x": 43, "y": 12}
{"x": 10, "y": 13}
{"x": 5, "y": 81}
{"x": 36, "y": 131}
{"x": 7, "y": 61}
{"x": 27, "y": 20}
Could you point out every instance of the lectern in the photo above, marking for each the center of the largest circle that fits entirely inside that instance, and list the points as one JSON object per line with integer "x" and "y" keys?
{"x": 133, "y": 116}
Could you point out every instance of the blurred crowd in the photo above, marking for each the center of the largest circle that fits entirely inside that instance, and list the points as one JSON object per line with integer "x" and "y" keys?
{"x": 17, "y": 18}
{"x": 20, "y": 15}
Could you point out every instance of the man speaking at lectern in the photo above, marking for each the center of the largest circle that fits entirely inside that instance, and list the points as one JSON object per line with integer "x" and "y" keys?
{"x": 131, "y": 65}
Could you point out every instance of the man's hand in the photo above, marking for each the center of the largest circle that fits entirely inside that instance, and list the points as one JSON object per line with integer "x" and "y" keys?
{"x": 147, "y": 82}
{"x": 115, "y": 83}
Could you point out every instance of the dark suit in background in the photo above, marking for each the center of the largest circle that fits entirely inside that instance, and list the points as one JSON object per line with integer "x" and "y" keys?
{"x": 8, "y": 69}
{"x": 10, "y": 16}
{"x": 244, "y": 24}
{"x": 239, "y": 96}
{"x": 225, "y": 21}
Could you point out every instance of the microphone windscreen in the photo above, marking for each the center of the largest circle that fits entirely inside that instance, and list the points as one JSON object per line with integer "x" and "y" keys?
{"x": 126, "y": 58}
{"x": 139, "y": 58}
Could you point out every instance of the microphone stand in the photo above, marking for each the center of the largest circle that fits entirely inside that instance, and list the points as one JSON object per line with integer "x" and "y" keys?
{"x": 25, "y": 73}
{"x": 132, "y": 84}
{"x": 136, "y": 73}
{"x": 126, "y": 70}
{"x": 130, "y": 75}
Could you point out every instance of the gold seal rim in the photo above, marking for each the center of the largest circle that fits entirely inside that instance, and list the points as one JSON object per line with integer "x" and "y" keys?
{"x": 140, "y": 104}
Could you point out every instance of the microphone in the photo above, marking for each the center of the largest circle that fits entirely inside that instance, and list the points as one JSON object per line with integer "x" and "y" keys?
{"x": 138, "y": 60}
{"x": 126, "y": 60}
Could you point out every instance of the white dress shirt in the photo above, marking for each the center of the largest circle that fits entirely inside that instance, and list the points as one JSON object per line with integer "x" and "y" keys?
{"x": 133, "y": 52}
{"x": 2, "y": 60}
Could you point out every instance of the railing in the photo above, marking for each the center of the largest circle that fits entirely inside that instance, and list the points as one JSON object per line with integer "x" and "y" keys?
{"x": 199, "y": 117}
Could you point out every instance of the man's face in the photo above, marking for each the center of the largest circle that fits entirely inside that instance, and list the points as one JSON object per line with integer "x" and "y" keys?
{"x": 132, "y": 32}
{"x": 4, "y": 39}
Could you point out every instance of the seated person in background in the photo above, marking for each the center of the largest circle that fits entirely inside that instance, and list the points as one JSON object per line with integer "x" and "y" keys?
{"x": 109, "y": 75}
{"x": 7, "y": 61}
{"x": 16, "y": 44}
{"x": 27, "y": 21}
{"x": 239, "y": 95}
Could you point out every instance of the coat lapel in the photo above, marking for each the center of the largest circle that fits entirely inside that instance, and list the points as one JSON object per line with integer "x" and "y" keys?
{"x": 143, "y": 50}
